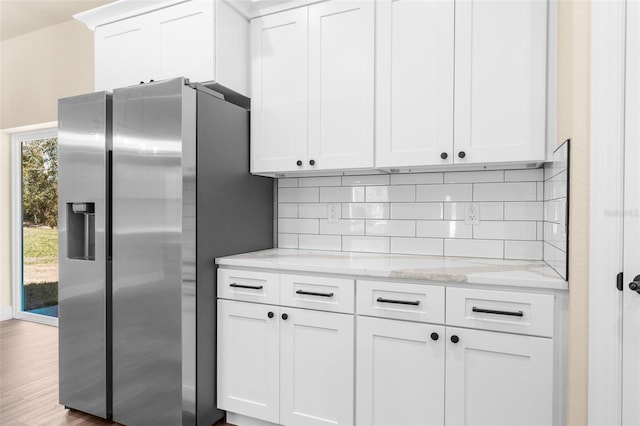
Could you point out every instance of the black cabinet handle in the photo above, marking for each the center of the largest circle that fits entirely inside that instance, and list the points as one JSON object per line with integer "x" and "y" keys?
{"x": 399, "y": 302}
{"x": 313, "y": 293}
{"x": 493, "y": 311}
{"x": 312, "y": 162}
{"x": 455, "y": 339}
{"x": 434, "y": 336}
{"x": 635, "y": 284}
{"x": 444, "y": 155}
{"x": 299, "y": 162}
{"x": 270, "y": 314}
{"x": 252, "y": 287}
{"x": 462, "y": 154}
{"x": 285, "y": 316}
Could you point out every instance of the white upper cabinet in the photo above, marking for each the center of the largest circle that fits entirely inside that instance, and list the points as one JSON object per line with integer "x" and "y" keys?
{"x": 313, "y": 88}
{"x": 500, "y": 81}
{"x": 122, "y": 54}
{"x": 279, "y": 102}
{"x": 341, "y": 85}
{"x": 201, "y": 40}
{"x": 414, "y": 82}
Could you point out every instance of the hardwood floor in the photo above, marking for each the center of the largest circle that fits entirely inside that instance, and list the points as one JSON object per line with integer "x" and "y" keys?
{"x": 29, "y": 378}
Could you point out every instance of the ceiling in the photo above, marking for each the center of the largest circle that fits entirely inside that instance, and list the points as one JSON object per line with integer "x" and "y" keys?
{"x": 19, "y": 17}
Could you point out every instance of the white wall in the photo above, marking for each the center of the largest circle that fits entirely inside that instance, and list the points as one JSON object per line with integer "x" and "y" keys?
{"x": 35, "y": 70}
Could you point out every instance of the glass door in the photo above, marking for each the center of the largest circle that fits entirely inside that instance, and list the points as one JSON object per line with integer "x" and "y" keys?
{"x": 35, "y": 226}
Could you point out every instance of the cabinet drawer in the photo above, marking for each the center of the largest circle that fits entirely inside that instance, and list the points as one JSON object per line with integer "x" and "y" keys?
{"x": 325, "y": 294}
{"x": 250, "y": 286}
{"x": 413, "y": 302}
{"x": 524, "y": 313}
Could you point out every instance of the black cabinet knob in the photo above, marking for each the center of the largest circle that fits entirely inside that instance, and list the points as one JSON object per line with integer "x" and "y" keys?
{"x": 455, "y": 339}
{"x": 285, "y": 316}
{"x": 299, "y": 162}
{"x": 270, "y": 314}
{"x": 462, "y": 154}
{"x": 434, "y": 336}
{"x": 312, "y": 162}
{"x": 444, "y": 155}
{"x": 635, "y": 284}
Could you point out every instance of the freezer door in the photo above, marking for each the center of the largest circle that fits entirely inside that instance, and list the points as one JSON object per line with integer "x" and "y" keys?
{"x": 154, "y": 254}
{"x": 84, "y": 139}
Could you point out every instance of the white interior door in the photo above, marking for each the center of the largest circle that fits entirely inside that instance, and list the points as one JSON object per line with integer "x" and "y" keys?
{"x": 631, "y": 298}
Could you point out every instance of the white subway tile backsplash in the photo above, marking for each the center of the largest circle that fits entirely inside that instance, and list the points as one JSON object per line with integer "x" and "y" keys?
{"x": 391, "y": 228}
{"x": 298, "y": 195}
{"x": 516, "y": 230}
{"x": 342, "y": 227}
{"x": 365, "y": 210}
{"x": 400, "y": 193}
{"x": 366, "y": 244}
{"x": 527, "y": 250}
{"x": 420, "y": 213}
{"x": 287, "y": 209}
{"x": 445, "y": 192}
{"x": 555, "y": 210}
{"x": 555, "y": 196}
{"x": 527, "y": 175}
{"x": 315, "y": 210}
{"x": 523, "y": 210}
{"x": 556, "y": 187}
{"x": 342, "y": 194}
{"x": 474, "y": 248}
{"x": 416, "y": 210}
{"x": 443, "y": 229}
{"x": 298, "y": 226}
{"x": 320, "y": 242}
{"x": 319, "y": 181}
{"x": 488, "y": 211}
{"x": 417, "y": 178}
{"x": 365, "y": 180}
{"x": 540, "y": 191}
{"x": 288, "y": 241}
{"x": 508, "y": 191}
{"x": 474, "y": 177}
{"x": 421, "y": 246}
{"x": 287, "y": 182}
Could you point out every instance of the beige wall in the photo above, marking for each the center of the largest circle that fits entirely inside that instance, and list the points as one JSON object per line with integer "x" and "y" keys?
{"x": 574, "y": 41}
{"x": 35, "y": 70}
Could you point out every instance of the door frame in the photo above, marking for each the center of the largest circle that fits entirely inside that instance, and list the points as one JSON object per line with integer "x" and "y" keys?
{"x": 16, "y": 221}
{"x": 606, "y": 210}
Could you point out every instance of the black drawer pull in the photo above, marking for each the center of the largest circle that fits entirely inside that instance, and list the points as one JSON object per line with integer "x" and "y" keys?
{"x": 492, "y": 311}
{"x": 399, "y": 302}
{"x": 313, "y": 293}
{"x": 252, "y": 287}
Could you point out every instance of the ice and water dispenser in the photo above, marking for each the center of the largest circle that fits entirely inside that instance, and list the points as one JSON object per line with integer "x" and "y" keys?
{"x": 81, "y": 231}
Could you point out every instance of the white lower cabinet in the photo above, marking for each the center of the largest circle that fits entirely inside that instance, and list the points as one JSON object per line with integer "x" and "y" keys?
{"x": 316, "y": 368}
{"x": 400, "y": 373}
{"x": 249, "y": 359}
{"x": 400, "y": 361}
{"x": 285, "y": 365}
{"x": 498, "y": 379}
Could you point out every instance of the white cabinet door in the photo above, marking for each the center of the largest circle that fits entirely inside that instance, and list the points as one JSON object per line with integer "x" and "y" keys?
{"x": 414, "y": 82}
{"x": 316, "y": 376}
{"x": 182, "y": 41}
{"x": 498, "y": 379}
{"x": 500, "y": 80}
{"x": 341, "y": 84}
{"x": 248, "y": 359}
{"x": 122, "y": 53}
{"x": 279, "y": 92}
{"x": 400, "y": 373}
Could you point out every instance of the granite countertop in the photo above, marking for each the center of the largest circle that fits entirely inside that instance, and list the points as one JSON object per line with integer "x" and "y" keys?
{"x": 519, "y": 273}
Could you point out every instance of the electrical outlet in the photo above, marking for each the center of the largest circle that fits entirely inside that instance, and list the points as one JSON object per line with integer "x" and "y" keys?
{"x": 472, "y": 214}
{"x": 332, "y": 213}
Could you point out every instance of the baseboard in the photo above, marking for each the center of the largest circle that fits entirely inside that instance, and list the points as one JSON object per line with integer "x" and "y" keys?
{"x": 6, "y": 313}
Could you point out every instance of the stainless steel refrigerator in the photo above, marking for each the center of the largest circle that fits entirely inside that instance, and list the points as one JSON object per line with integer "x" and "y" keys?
{"x": 154, "y": 184}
